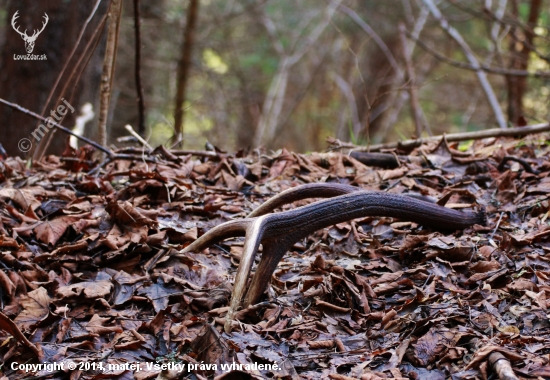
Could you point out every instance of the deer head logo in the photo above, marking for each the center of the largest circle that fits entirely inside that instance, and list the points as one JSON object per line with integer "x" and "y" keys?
{"x": 29, "y": 40}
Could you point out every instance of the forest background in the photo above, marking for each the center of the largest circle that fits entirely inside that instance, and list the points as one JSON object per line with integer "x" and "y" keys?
{"x": 281, "y": 73}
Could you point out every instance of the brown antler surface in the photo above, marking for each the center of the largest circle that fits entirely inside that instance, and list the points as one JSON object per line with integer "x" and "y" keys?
{"x": 310, "y": 190}
{"x": 277, "y": 232}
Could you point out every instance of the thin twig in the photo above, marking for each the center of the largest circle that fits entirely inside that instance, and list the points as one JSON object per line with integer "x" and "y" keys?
{"x": 272, "y": 107}
{"x": 508, "y": 22}
{"x": 138, "y": 137}
{"x": 185, "y": 152}
{"x": 376, "y": 38}
{"x": 347, "y": 91}
{"x": 488, "y": 69}
{"x": 496, "y": 227}
{"x": 77, "y": 71}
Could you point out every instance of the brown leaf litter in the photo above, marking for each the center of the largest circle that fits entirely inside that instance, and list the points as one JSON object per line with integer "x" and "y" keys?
{"x": 91, "y": 271}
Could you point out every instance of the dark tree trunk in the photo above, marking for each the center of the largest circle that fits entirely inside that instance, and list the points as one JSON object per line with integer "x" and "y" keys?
{"x": 139, "y": 85}
{"x": 184, "y": 67}
{"x": 28, "y": 82}
{"x": 517, "y": 86}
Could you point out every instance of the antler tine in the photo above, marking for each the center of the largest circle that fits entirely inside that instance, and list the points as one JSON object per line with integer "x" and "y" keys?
{"x": 14, "y": 18}
{"x": 252, "y": 229}
{"x": 233, "y": 228}
{"x": 16, "y": 28}
{"x": 44, "y": 23}
{"x": 254, "y": 233}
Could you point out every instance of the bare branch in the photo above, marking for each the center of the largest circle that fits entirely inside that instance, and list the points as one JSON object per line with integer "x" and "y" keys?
{"x": 272, "y": 33}
{"x": 376, "y": 38}
{"x": 58, "y": 126}
{"x": 350, "y": 97}
{"x": 273, "y": 103}
{"x": 404, "y": 95}
{"x": 484, "y": 82}
{"x": 488, "y": 69}
{"x": 528, "y": 29}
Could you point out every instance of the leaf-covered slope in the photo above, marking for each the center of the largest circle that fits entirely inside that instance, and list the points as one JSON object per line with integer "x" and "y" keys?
{"x": 90, "y": 270}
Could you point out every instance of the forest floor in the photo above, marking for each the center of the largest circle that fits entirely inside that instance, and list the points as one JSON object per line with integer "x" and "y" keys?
{"x": 90, "y": 278}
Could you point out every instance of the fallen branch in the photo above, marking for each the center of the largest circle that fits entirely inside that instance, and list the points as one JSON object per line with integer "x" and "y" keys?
{"x": 199, "y": 153}
{"x": 279, "y": 231}
{"x": 408, "y": 144}
{"x": 58, "y": 126}
{"x": 175, "y": 152}
{"x": 111, "y": 156}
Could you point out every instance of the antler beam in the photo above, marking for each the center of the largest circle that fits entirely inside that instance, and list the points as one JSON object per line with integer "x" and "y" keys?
{"x": 277, "y": 232}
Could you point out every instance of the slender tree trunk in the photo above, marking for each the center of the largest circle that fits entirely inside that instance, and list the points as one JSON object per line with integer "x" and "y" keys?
{"x": 109, "y": 68}
{"x": 184, "y": 67}
{"x": 517, "y": 86}
{"x": 411, "y": 83}
{"x": 139, "y": 86}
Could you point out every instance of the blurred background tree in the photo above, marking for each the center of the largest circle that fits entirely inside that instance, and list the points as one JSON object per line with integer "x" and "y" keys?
{"x": 292, "y": 73}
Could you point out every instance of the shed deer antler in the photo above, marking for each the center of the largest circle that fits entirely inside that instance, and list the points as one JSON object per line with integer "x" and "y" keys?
{"x": 29, "y": 40}
{"x": 277, "y": 232}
